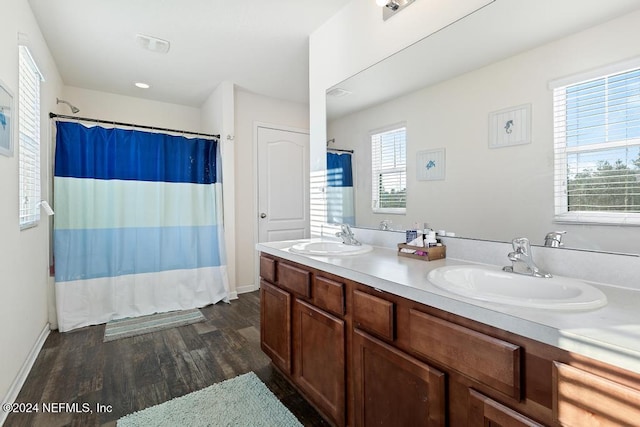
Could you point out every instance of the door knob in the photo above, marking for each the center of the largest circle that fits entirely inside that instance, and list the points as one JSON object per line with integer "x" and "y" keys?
{"x": 263, "y": 215}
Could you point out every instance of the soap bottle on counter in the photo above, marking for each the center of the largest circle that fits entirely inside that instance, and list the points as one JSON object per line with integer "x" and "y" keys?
{"x": 430, "y": 240}
{"x": 428, "y": 235}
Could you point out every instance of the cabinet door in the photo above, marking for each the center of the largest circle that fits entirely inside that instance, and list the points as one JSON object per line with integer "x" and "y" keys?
{"x": 275, "y": 325}
{"x": 319, "y": 368}
{"x": 485, "y": 412}
{"x": 392, "y": 388}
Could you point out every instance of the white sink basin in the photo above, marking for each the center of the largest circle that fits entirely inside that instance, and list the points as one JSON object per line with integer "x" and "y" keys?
{"x": 329, "y": 248}
{"x": 491, "y": 284}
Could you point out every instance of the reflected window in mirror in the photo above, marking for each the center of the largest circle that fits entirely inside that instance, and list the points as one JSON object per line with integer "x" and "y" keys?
{"x": 389, "y": 170}
{"x": 597, "y": 147}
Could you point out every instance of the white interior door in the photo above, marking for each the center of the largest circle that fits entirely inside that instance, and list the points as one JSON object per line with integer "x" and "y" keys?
{"x": 283, "y": 184}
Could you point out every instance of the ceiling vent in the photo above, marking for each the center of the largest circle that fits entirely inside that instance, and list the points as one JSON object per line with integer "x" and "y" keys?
{"x": 153, "y": 44}
{"x": 338, "y": 92}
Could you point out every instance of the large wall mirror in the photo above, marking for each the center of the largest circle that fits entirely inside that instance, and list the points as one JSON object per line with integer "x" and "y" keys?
{"x": 456, "y": 90}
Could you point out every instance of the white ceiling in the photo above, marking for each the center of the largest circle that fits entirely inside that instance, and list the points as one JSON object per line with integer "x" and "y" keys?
{"x": 260, "y": 45}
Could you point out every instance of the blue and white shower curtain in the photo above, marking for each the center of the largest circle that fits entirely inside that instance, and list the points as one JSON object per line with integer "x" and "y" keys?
{"x": 340, "y": 197}
{"x": 138, "y": 226}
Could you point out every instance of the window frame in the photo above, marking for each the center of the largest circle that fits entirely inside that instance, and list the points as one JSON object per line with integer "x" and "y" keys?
{"x": 562, "y": 151}
{"x": 32, "y": 137}
{"x": 375, "y": 195}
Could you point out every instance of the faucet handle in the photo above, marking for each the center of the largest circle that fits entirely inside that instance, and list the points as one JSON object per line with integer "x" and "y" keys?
{"x": 554, "y": 239}
{"x": 521, "y": 245}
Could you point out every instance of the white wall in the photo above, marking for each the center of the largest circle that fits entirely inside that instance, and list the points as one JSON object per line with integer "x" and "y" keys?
{"x": 485, "y": 187}
{"x": 24, "y": 255}
{"x": 108, "y": 106}
{"x": 218, "y": 117}
{"x": 251, "y": 109}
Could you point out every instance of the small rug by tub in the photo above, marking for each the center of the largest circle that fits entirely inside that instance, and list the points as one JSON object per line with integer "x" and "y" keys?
{"x": 132, "y": 326}
{"x": 240, "y": 401}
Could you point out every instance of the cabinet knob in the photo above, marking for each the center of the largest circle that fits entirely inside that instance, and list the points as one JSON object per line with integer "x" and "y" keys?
{"x": 263, "y": 215}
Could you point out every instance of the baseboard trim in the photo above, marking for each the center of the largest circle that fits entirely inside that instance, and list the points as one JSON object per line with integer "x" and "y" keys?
{"x": 245, "y": 289}
{"x": 17, "y": 384}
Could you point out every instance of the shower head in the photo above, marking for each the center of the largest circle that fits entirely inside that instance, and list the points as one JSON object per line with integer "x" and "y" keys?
{"x": 74, "y": 109}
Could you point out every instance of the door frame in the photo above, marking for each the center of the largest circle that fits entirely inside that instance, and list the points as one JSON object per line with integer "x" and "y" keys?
{"x": 256, "y": 196}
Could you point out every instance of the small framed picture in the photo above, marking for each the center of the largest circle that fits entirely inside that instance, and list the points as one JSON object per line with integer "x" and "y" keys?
{"x": 511, "y": 126}
{"x": 6, "y": 120}
{"x": 430, "y": 165}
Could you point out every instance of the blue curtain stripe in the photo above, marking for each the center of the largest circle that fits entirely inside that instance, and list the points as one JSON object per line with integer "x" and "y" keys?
{"x": 101, "y": 153}
{"x": 339, "y": 172}
{"x": 340, "y": 202}
{"x": 94, "y": 253}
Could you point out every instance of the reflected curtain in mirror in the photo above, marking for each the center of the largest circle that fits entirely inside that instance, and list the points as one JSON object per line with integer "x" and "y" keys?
{"x": 340, "y": 201}
{"x": 138, "y": 226}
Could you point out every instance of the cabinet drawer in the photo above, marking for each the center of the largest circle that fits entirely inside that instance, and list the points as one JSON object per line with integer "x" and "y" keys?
{"x": 294, "y": 279}
{"x": 487, "y": 412}
{"x": 268, "y": 269}
{"x": 374, "y": 314}
{"x": 582, "y": 399}
{"x": 329, "y": 295}
{"x": 488, "y": 360}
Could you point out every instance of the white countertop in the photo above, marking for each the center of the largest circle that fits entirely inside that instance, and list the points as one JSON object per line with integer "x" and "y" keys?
{"x": 610, "y": 334}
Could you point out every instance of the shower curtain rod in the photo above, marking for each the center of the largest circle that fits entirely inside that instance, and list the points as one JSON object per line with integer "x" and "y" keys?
{"x": 111, "y": 122}
{"x": 340, "y": 150}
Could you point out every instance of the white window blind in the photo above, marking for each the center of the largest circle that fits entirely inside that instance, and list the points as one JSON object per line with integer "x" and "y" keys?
{"x": 29, "y": 138}
{"x": 389, "y": 171}
{"x": 597, "y": 149}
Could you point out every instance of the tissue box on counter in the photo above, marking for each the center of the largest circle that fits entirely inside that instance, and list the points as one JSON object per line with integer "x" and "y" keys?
{"x": 425, "y": 254}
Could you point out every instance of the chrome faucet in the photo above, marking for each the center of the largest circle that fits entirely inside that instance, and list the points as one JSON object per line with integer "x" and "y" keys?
{"x": 347, "y": 236}
{"x": 554, "y": 239}
{"x": 522, "y": 261}
{"x": 385, "y": 225}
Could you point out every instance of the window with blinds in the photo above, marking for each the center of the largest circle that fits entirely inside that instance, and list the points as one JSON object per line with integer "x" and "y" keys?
{"x": 389, "y": 171}
{"x": 597, "y": 149}
{"x": 29, "y": 79}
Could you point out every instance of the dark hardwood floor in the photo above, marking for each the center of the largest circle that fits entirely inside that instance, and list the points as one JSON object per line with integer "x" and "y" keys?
{"x": 135, "y": 373}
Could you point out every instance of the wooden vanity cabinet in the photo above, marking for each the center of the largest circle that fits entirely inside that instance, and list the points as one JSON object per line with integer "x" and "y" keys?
{"x": 365, "y": 357}
{"x": 486, "y": 412}
{"x": 478, "y": 356}
{"x": 319, "y": 352}
{"x": 392, "y": 388}
{"x": 275, "y": 325}
{"x": 303, "y": 331}
{"x": 374, "y": 314}
{"x": 583, "y": 399}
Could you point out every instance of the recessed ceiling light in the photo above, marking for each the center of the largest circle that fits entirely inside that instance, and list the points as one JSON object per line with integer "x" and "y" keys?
{"x": 142, "y": 85}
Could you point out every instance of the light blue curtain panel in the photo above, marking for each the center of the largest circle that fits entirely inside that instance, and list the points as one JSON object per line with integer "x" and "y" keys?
{"x": 138, "y": 225}
{"x": 340, "y": 197}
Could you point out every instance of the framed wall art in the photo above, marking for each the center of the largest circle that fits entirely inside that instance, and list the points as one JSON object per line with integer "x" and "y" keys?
{"x": 430, "y": 165}
{"x": 511, "y": 126}
{"x": 6, "y": 120}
